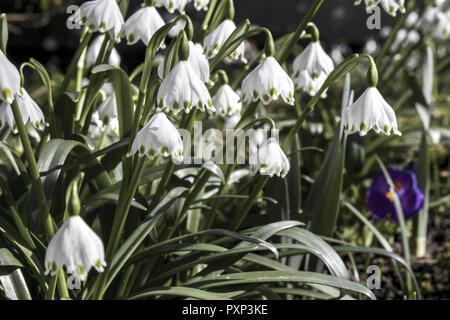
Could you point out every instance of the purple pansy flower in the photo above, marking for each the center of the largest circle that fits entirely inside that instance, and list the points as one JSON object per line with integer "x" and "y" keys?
{"x": 381, "y": 201}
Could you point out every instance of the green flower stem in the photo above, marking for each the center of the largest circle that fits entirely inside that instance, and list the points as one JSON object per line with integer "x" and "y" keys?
{"x": 401, "y": 220}
{"x": 36, "y": 180}
{"x": 127, "y": 191}
{"x": 94, "y": 85}
{"x": 216, "y": 202}
{"x": 284, "y": 51}
{"x": 232, "y": 43}
{"x": 390, "y": 39}
{"x": 85, "y": 37}
{"x": 372, "y": 74}
{"x": 201, "y": 180}
{"x": 34, "y": 173}
{"x": 241, "y": 214}
{"x": 162, "y": 186}
{"x": 133, "y": 168}
{"x": 315, "y": 35}
{"x": 16, "y": 216}
{"x": 208, "y": 15}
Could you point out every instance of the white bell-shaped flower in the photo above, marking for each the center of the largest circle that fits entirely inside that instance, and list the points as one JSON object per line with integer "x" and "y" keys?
{"x": 29, "y": 110}
{"x": 142, "y": 24}
{"x": 172, "y": 5}
{"x": 201, "y": 4}
{"x": 94, "y": 50}
{"x": 270, "y": 159}
{"x": 197, "y": 60}
{"x": 370, "y": 111}
{"x": 267, "y": 82}
{"x": 182, "y": 89}
{"x": 77, "y": 247}
{"x": 311, "y": 68}
{"x": 102, "y": 16}
{"x": 214, "y": 41}
{"x": 226, "y": 101}
{"x": 158, "y": 137}
{"x": 9, "y": 79}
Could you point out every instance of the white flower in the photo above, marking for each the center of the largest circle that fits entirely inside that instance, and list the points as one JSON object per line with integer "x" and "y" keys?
{"x": 6, "y": 115}
{"x": 390, "y": 6}
{"x": 158, "y": 137}
{"x": 226, "y": 101}
{"x": 77, "y": 247}
{"x": 214, "y": 41}
{"x": 172, "y": 5}
{"x": 29, "y": 110}
{"x": 197, "y": 60}
{"x": 102, "y": 15}
{"x": 9, "y": 79}
{"x": 270, "y": 159}
{"x": 267, "y": 82}
{"x": 94, "y": 50}
{"x": 182, "y": 89}
{"x": 311, "y": 68}
{"x": 142, "y": 24}
{"x": 201, "y": 4}
{"x": 370, "y": 111}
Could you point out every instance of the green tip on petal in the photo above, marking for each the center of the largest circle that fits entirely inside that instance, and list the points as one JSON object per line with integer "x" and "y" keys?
{"x": 363, "y": 127}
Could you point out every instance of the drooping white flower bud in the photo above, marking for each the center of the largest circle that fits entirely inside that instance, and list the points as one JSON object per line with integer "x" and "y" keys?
{"x": 102, "y": 16}
{"x": 226, "y": 101}
{"x": 311, "y": 68}
{"x": 182, "y": 89}
{"x": 370, "y": 111}
{"x": 267, "y": 82}
{"x": 270, "y": 159}
{"x": 142, "y": 25}
{"x": 158, "y": 137}
{"x": 77, "y": 247}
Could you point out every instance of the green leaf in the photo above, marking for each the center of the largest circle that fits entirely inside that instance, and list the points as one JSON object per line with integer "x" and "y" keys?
{"x": 323, "y": 200}
{"x": 135, "y": 239}
{"x": 181, "y": 292}
{"x": 54, "y": 154}
{"x": 254, "y": 277}
{"x": 8, "y": 262}
{"x": 324, "y": 250}
{"x": 14, "y": 286}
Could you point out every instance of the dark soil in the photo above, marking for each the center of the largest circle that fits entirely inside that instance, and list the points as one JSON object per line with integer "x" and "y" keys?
{"x": 432, "y": 272}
